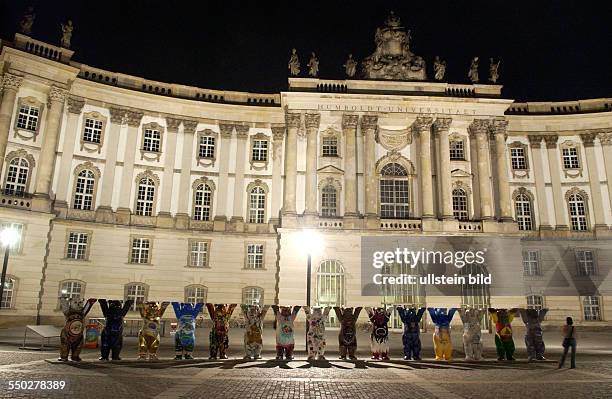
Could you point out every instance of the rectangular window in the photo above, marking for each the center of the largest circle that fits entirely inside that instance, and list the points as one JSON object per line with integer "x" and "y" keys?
{"x": 152, "y": 140}
{"x": 252, "y": 296}
{"x": 260, "y": 150}
{"x": 255, "y": 256}
{"x": 71, "y": 289}
{"x": 77, "y": 245}
{"x": 198, "y": 255}
{"x": 93, "y": 131}
{"x": 15, "y": 248}
{"x": 585, "y": 262}
{"x": 590, "y": 305}
{"x": 195, "y": 294}
{"x": 456, "y": 150}
{"x": 140, "y": 250}
{"x": 207, "y": 147}
{"x": 330, "y": 147}
{"x": 531, "y": 263}
{"x": 136, "y": 293}
{"x": 570, "y": 158}
{"x": 6, "y": 302}
{"x": 535, "y": 302}
{"x": 517, "y": 158}
{"x": 28, "y": 117}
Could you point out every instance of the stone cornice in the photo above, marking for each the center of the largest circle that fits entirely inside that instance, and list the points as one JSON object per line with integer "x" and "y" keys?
{"x": 117, "y": 115}
{"x": 293, "y": 120}
{"x": 189, "y": 125}
{"x": 172, "y": 124}
{"x": 311, "y": 121}
{"x": 442, "y": 124}
{"x": 75, "y": 104}
{"x": 134, "y": 117}
{"x": 369, "y": 122}
{"x": 11, "y": 82}
{"x": 350, "y": 121}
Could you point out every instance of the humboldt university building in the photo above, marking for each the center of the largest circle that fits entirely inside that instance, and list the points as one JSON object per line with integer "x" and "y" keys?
{"x": 123, "y": 187}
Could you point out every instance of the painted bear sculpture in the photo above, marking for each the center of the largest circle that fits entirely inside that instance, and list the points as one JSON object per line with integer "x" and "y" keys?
{"x": 316, "y": 317}
{"x": 219, "y": 341}
{"x": 504, "y": 344}
{"x": 253, "y": 335}
{"x": 534, "y": 339}
{"x": 148, "y": 336}
{"x": 284, "y": 316}
{"x": 472, "y": 327}
{"x": 443, "y": 346}
{"x": 347, "y": 336}
{"x": 411, "y": 338}
{"x": 379, "y": 337}
{"x": 71, "y": 337}
{"x": 111, "y": 340}
{"x": 184, "y": 338}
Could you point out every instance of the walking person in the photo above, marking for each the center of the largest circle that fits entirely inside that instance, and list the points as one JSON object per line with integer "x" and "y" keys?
{"x": 569, "y": 340}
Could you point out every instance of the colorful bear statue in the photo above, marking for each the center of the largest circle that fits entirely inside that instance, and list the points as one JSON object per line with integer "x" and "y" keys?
{"x": 443, "y": 346}
{"x": 253, "y": 335}
{"x": 472, "y": 327}
{"x": 347, "y": 336}
{"x": 219, "y": 341}
{"x": 379, "y": 337}
{"x": 148, "y": 336}
{"x": 534, "y": 339}
{"x": 71, "y": 337}
{"x": 316, "y": 317}
{"x": 502, "y": 318}
{"x": 283, "y": 323}
{"x": 184, "y": 338}
{"x": 112, "y": 333}
{"x": 411, "y": 338}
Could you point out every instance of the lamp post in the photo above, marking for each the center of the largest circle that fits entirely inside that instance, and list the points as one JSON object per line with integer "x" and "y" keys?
{"x": 310, "y": 242}
{"x": 8, "y": 237}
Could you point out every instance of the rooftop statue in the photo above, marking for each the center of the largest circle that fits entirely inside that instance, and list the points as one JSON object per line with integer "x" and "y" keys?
{"x": 439, "y": 68}
{"x": 313, "y": 65}
{"x": 25, "y": 25}
{"x": 493, "y": 73}
{"x": 294, "y": 63}
{"x": 350, "y": 66}
{"x": 392, "y": 58}
{"x": 473, "y": 73}
{"x": 66, "y": 34}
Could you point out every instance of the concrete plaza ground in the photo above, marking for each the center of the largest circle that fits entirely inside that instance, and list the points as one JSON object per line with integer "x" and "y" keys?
{"x": 268, "y": 378}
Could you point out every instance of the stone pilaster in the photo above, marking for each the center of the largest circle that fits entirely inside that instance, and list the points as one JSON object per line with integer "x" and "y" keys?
{"x": 535, "y": 142}
{"x": 278, "y": 136}
{"x": 185, "y": 192}
{"x": 369, "y": 125}
{"x": 311, "y": 122}
{"x": 588, "y": 140}
{"x": 479, "y": 129}
{"x": 293, "y": 121}
{"x": 134, "y": 118}
{"x": 498, "y": 129}
{"x": 552, "y": 154}
{"x": 226, "y": 130}
{"x": 164, "y": 218}
{"x": 10, "y": 84}
{"x": 104, "y": 213}
{"x": 422, "y": 127}
{"x": 48, "y": 152}
{"x": 349, "y": 128}
{"x": 242, "y": 135}
{"x": 441, "y": 128}
{"x": 605, "y": 139}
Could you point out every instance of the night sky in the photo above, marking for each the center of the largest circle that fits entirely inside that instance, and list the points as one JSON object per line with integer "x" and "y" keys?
{"x": 550, "y": 50}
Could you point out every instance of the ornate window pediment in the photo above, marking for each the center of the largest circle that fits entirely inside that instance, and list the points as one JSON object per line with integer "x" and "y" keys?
{"x": 394, "y": 139}
{"x": 571, "y": 160}
{"x": 92, "y": 136}
{"x": 260, "y": 151}
{"x": 257, "y": 192}
{"x": 203, "y": 194}
{"x": 395, "y": 157}
{"x": 329, "y": 194}
{"x": 152, "y": 141}
{"x": 28, "y": 118}
{"x": 207, "y": 147}
{"x": 519, "y": 159}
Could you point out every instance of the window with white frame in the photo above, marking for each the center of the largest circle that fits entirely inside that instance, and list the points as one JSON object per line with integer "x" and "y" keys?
{"x": 570, "y": 158}
{"x": 524, "y": 216}
{"x": 17, "y": 177}
{"x": 591, "y": 308}
{"x": 577, "y": 211}
{"x": 92, "y": 133}
{"x": 145, "y": 197}
{"x": 585, "y": 262}
{"x": 195, "y": 294}
{"x": 207, "y": 147}
{"x": 255, "y": 256}
{"x": 19, "y": 227}
{"x": 457, "y": 150}
{"x": 394, "y": 193}
{"x": 531, "y": 263}
{"x": 152, "y": 140}
{"x": 77, "y": 245}
{"x": 329, "y": 201}
{"x": 535, "y": 302}
{"x": 84, "y": 190}
{"x": 140, "y": 250}
{"x": 198, "y": 253}
{"x": 71, "y": 289}
{"x": 27, "y": 118}
{"x": 517, "y": 158}
{"x": 331, "y": 284}
{"x": 259, "y": 151}
{"x": 253, "y": 296}
{"x": 460, "y": 206}
{"x": 257, "y": 205}
{"x": 8, "y": 295}
{"x": 201, "y": 202}
{"x": 330, "y": 146}
{"x": 137, "y": 292}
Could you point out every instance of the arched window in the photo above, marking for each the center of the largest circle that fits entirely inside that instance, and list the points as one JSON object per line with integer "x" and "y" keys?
{"x": 8, "y": 295}
{"x": 201, "y": 202}
{"x": 524, "y": 215}
{"x": 577, "y": 211}
{"x": 84, "y": 190}
{"x": 145, "y": 197}
{"x": 257, "y": 205}
{"x": 196, "y": 294}
{"x": 475, "y": 295}
{"x": 71, "y": 289}
{"x": 394, "y": 194}
{"x": 17, "y": 177}
{"x": 460, "y": 204}
{"x": 136, "y": 292}
{"x": 253, "y": 296}
{"x": 331, "y": 289}
{"x": 329, "y": 202}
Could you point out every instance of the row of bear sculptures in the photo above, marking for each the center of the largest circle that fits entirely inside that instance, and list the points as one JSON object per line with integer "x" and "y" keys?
{"x": 184, "y": 340}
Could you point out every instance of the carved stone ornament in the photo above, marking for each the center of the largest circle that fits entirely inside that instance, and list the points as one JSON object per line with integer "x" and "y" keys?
{"x": 520, "y": 173}
{"x": 588, "y": 139}
{"x": 422, "y": 123}
{"x": 189, "y": 125}
{"x": 134, "y": 117}
{"x": 278, "y": 133}
{"x": 392, "y": 59}
{"x": 91, "y": 146}
{"x": 499, "y": 126}
{"x": 394, "y": 140}
{"x": 148, "y": 173}
{"x": 369, "y": 122}
{"x": 11, "y": 82}
{"x": 117, "y": 115}
{"x": 479, "y": 126}
{"x": 226, "y": 129}
{"x": 350, "y": 121}
{"x": 571, "y": 172}
{"x": 75, "y": 104}
{"x": 207, "y": 161}
{"x": 150, "y": 155}
{"x": 395, "y": 157}
{"x": 551, "y": 140}
{"x": 462, "y": 185}
{"x": 242, "y": 131}
{"x": 311, "y": 121}
{"x": 57, "y": 94}
{"x": 522, "y": 191}
{"x": 535, "y": 140}
{"x": 258, "y": 165}
{"x": 172, "y": 124}
{"x": 27, "y": 133}
{"x": 442, "y": 124}
{"x": 605, "y": 138}
{"x": 293, "y": 120}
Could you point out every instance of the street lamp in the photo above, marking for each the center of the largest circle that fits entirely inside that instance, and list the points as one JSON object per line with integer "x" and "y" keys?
{"x": 310, "y": 243}
{"x": 8, "y": 237}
